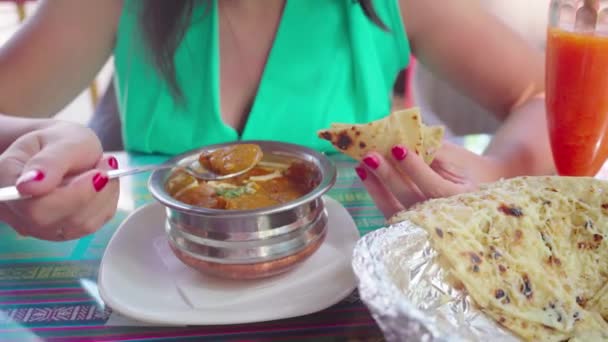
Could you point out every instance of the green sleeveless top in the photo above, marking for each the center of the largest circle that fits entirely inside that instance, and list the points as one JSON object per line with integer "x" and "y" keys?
{"x": 329, "y": 63}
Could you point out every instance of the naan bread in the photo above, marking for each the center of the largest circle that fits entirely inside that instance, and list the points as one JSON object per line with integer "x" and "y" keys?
{"x": 530, "y": 251}
{"x": 402, "y": 127}
{"x": 599, "y": 302}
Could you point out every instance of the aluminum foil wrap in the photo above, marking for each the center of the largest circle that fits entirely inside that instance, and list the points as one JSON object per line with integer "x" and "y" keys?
{"x": 405, "y": 290}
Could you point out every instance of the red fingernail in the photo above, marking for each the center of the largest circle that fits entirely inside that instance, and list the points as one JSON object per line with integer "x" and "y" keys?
{"x": 361, "y": 173}
{"x": 399, "y": 152}
{"x": 32, "y": 175}
{"x": 99, "y": 182}
{"x": 113, "y": 163}
{"x": 372, "y": 162}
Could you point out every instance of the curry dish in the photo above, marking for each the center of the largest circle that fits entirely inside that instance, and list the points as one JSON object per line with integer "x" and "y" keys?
{"x": 268, "y": 184}
{"x": 231, "y": 159}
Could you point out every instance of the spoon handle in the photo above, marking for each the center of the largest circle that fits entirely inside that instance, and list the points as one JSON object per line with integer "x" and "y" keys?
{"x": 135, "y": 170}
{"x": 10, "y": 193}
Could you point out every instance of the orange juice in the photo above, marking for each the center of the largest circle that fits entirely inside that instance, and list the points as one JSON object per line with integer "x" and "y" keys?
{"x": 577, "y": 100}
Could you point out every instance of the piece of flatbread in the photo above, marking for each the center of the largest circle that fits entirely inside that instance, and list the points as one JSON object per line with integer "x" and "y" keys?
{"x": 530, "y": 251}
{"x": 599, "y": 302}
{"x": 403, "y": 127}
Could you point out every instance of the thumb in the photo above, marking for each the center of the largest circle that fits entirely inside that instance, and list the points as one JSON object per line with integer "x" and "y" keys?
{"x": 432, "y": 184}
{"x": 46, "y": 170}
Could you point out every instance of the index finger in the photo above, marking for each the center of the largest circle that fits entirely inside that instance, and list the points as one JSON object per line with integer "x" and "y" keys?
{"x": 47, "y": 169}
{"x": 63, "y": 201}
{"x": 384, "y": 199}
{"x": 428, "y": 181}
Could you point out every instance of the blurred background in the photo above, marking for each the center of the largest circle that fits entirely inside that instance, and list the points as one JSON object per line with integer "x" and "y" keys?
{"x": 12, "y": 13}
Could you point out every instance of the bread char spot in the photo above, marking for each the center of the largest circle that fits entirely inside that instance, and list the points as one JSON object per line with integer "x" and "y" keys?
{"x": 526, "y": 287}
{"x": 498, "y": 294}
{"x": 439, "y": 232}
{"x": 326, "y": 135}
{"x": 510, "y": 210}
{"x": 554, "y": 261}
{"x": 580, "y": 300}
{"x": 591, "y": 245}
{"x": 344, "y": 141}
{"x": 495, "y": 254}
{"x": 475, "y": 259}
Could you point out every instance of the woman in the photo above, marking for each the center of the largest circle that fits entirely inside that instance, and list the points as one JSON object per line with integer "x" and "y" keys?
{"x": 33, "y": 155}
{"x": 191, "y": 73}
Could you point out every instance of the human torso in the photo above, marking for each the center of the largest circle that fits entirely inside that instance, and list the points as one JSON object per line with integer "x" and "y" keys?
{"x": 305, "y": 65}
{"x": 246, "y": 39}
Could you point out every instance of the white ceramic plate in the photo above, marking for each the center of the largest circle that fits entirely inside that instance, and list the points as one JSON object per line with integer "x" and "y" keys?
{"x": 141, "y": 278}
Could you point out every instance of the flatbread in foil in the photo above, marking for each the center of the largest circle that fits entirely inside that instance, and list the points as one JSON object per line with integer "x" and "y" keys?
{"x": 529, "y": 251}
{"x": 401, "y": 127}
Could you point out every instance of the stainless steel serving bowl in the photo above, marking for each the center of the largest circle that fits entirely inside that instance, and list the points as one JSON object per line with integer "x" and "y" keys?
{"x": 248, "y": 244}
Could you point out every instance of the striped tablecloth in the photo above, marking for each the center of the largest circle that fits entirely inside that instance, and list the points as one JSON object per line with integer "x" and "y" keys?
{"x": 48, "y": 291}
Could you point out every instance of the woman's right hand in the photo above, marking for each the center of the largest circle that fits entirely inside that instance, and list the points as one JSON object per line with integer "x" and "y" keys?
{"x": 62, "y": 166}
{"x": 400, "y": 181}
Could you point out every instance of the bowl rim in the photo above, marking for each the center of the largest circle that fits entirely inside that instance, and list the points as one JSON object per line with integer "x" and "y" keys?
{"x": 326, "y": 167}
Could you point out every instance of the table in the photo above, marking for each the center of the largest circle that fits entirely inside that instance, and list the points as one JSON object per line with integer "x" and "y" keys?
{"x": 48, "y": 290}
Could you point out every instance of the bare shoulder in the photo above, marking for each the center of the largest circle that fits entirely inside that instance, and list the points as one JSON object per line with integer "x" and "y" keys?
{"x": 73, "y": 16}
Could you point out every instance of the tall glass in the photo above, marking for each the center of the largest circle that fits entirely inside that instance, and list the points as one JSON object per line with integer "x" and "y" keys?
{"x": 577, "y": 85}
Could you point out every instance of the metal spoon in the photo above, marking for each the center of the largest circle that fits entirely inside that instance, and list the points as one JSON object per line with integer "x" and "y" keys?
{"x": 194, "y": 168}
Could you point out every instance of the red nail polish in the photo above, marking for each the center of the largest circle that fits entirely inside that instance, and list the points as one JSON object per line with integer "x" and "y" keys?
{"x": 113, "y": 163}
{"x": 32, "y": 175}
{"x": 372, "y": 162}
{"x": 361, "y": 173}
{"x": 99, "y": 182}
{"x": 39, "y": 176}
{"x": 399, "y": 152}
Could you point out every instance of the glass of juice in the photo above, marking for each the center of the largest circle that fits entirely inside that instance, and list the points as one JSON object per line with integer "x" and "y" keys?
{"x": 577, "y": 85}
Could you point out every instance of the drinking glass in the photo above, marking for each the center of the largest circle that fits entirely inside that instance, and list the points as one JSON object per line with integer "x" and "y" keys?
{"x": 577, "y": 85}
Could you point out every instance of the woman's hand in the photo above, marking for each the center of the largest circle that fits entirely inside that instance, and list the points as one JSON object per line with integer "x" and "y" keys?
{"x": 62, "y": 167}
{"x": 403, "y": 179}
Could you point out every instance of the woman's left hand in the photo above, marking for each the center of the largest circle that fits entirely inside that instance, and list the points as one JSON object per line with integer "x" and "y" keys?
{"x": 403, "y": 179}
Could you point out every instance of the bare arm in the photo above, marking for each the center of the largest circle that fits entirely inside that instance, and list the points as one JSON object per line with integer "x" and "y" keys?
{"x": 12, "y": 128}
{"x": 462, "y": 43}
{"x": 55, "y": 55}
